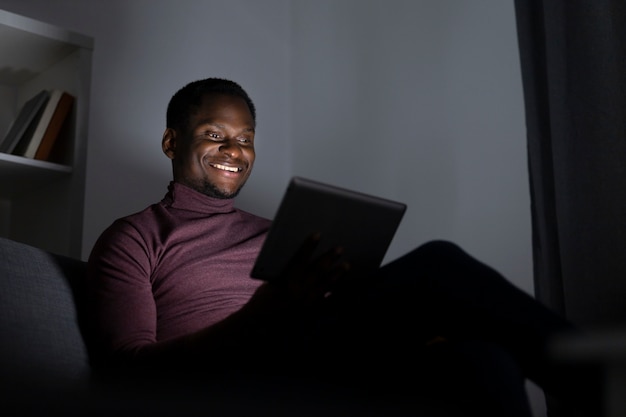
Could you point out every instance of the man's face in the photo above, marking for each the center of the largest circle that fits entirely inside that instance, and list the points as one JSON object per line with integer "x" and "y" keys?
{"x": 215, "y": 154}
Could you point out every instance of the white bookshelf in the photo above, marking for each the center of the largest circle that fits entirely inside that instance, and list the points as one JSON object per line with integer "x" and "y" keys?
{"x": 42, "y": 203}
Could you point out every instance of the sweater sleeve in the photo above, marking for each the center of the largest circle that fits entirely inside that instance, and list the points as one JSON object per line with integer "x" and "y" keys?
{"x": 121, "y": 300}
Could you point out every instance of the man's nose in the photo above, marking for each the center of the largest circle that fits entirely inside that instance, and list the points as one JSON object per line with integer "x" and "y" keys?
{"x": 231, "y": 148}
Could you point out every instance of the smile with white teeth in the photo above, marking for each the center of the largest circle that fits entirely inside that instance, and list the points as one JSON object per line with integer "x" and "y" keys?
{"x": 226, "y": 168}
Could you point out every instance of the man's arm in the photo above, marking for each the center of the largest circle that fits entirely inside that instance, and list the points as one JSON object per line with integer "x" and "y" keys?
{"x": 126, "y": 316}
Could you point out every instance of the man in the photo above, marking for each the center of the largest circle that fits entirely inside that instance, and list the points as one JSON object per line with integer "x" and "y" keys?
{"x": 171, "y": 290}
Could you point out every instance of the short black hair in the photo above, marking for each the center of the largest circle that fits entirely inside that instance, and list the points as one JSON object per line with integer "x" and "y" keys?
{"x": 186, "y": 100}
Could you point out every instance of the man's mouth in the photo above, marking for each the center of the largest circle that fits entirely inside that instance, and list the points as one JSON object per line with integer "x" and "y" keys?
{"x": 226, "y": 168}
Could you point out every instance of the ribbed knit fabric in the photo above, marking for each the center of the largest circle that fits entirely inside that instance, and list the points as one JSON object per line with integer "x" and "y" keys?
{"x": 176, "y": 267}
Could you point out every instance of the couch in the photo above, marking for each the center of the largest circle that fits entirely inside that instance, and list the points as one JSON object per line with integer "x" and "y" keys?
{"x": 45, "y": 368}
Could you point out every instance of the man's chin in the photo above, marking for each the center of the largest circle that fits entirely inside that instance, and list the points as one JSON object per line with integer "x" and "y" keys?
{"x": 211, "y": 190}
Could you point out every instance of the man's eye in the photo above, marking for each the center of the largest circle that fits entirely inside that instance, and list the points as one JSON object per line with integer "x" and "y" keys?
{"x": 213, "y": 135}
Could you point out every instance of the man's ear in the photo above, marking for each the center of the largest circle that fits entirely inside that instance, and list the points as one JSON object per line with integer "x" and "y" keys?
{"x": 169, "y": 142}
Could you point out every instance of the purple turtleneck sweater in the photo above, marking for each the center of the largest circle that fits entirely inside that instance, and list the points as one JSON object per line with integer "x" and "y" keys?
{"x": 174, "y": 268}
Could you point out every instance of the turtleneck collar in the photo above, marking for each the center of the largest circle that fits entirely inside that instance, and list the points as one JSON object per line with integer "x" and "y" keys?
{"x": 180, "y": 196}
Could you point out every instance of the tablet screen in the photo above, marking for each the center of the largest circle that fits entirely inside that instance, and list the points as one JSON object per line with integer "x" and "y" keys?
{"x": 362, "y": 224}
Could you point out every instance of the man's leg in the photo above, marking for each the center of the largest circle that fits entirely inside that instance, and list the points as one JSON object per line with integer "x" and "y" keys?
{"x": 438, "y": 291}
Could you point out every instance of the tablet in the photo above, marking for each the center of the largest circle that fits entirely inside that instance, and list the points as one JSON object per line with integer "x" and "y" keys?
{"x": 362, "y": 224}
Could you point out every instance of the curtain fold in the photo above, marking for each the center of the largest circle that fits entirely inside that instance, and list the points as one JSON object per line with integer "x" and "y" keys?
{"x": 532, "y": 41}
{"x": 573, "y": 60}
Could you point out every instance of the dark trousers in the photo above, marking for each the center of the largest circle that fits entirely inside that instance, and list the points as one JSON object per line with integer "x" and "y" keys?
{"x": 436, "y": 323}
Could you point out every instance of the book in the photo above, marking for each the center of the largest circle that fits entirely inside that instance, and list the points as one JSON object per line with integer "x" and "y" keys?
{"x": 54, "y": 129}
{"x": 50, "y": 123}
{"x": 28, "y": 116}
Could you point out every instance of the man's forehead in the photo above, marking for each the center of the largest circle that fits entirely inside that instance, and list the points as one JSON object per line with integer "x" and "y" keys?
{"x": 215, "y": 105}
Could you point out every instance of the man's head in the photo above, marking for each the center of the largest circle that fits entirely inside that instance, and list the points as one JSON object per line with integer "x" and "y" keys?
{"x": 210, "y": 136}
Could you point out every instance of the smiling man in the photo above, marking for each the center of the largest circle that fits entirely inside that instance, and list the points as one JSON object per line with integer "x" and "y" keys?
{"x": 182, "y": 265}
{"x": 212, "y": 150}
{"x": 171, "y": 292}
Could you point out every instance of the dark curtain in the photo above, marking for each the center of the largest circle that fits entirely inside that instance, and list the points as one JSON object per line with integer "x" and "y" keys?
{"x": 573, "y": 59}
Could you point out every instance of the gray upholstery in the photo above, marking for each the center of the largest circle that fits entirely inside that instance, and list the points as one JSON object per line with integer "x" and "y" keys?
{"x": 43, "y": 358}
{"x": 38, "y": 316}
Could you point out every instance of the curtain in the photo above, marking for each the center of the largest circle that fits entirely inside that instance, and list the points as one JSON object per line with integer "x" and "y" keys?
{"x": 573, "y": 61}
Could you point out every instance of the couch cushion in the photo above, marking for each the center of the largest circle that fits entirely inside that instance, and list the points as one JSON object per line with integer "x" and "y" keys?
{"x": 41, "y": 338}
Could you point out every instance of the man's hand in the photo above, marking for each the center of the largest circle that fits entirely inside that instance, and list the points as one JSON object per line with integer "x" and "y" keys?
{"x": 304, "y": 283}
{"x": 308, "y": 280}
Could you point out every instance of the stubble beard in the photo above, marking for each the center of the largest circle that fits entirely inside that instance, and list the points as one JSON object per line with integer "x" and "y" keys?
{"x": 210, "y": 189}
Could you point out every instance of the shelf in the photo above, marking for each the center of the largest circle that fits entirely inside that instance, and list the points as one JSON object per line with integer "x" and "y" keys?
{"x": 20, "y": 175}
{"x": 33, "y": 46}
{"x": 42, "y": 202}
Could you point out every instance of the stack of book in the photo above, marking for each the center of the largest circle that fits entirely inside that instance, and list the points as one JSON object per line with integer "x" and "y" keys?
{"x": 38, "y": 126}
